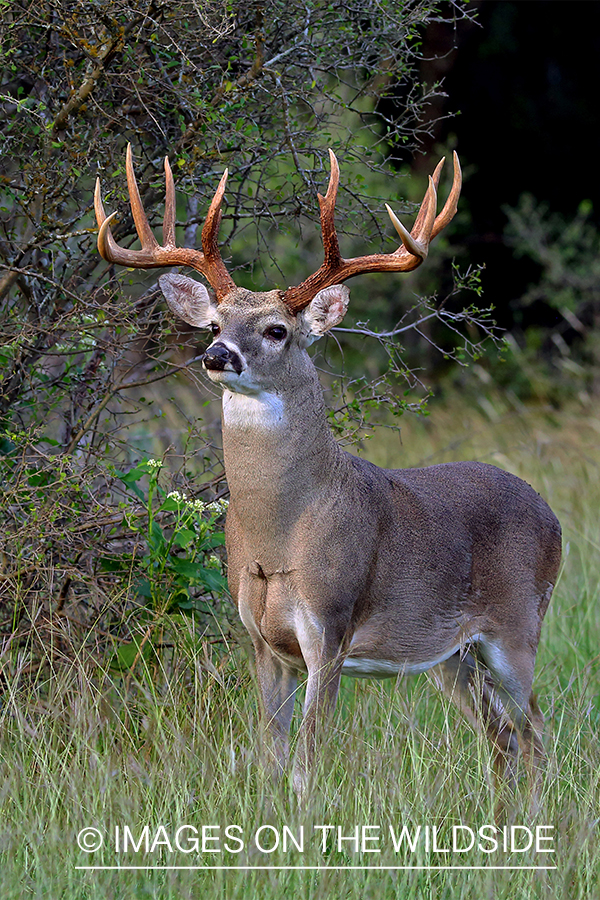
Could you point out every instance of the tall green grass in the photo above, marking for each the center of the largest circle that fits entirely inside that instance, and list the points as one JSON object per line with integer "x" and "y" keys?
{"x": 179, "y": 745}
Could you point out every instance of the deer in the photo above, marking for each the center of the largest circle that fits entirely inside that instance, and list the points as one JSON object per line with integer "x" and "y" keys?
{"x": 338, "y": 567}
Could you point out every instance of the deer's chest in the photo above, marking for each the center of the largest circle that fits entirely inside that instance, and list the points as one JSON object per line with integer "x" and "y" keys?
{"x": 267, "y": 607}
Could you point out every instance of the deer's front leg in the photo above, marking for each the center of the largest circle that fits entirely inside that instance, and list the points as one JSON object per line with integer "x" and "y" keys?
{"x": 321, "y": 650}
{"x": 277, "y": 687}
{"x": 276, "y": 681}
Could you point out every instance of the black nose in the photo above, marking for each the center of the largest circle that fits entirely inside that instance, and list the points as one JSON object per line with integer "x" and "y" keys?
{"x": 218, "y": 355}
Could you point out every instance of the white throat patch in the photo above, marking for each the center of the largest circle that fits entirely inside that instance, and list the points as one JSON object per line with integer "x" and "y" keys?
{"x": 262, "y": 410}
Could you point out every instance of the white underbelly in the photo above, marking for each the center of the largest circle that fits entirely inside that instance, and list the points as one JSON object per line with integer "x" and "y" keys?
{"x": 361, "y": 667}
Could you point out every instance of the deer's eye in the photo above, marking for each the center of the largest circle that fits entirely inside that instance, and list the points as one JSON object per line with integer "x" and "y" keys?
{"x": 215, "y": 329}
{"x": 276, "y": 333}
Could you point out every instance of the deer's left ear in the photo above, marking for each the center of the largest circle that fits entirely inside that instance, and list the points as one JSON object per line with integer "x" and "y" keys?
{"x": 326, "y": 309}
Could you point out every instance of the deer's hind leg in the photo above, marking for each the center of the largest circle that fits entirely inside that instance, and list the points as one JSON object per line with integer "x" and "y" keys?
{"x": 511, "y": 674}
{"x": 501, "y": 706}
{"x": 467, "y": 684}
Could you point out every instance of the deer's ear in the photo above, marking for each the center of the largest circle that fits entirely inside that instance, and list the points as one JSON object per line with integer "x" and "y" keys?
{"x": 326, "y": 309}
{"x": 188, "y": 299}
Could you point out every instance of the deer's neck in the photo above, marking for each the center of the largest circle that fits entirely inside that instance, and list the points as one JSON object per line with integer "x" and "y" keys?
{"x": 280, "y": 456}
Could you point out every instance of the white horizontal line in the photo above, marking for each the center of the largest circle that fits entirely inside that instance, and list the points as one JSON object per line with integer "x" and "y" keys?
{"x": 310, "y": 868}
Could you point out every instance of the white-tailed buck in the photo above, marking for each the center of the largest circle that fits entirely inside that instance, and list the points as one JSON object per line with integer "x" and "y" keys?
{"x": 337, "y": 566}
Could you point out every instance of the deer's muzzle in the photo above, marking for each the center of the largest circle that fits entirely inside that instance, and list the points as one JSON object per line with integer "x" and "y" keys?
{"x": 219, "y": 357}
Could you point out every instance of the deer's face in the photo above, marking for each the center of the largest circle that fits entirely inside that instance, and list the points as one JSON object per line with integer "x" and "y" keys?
{"x": 258, "y": 345}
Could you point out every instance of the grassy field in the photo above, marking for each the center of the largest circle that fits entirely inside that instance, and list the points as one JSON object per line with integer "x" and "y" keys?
{"x": 83, "y": 748}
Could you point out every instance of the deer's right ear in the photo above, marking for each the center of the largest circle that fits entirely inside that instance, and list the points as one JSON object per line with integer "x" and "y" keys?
{"x": 188, "y": 299}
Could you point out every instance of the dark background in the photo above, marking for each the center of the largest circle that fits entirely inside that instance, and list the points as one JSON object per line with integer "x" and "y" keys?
{"x": 522, "y": 87}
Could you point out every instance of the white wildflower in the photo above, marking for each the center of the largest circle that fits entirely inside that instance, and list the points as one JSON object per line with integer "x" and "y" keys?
{"x": 177, "y": 496}
{"x": 218, "y": 506}
{"x": 154, "y": 463}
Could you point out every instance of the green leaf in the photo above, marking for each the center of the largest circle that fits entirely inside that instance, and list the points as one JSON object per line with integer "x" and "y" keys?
{"x": 190, "y": 570}
{"x": 170, "y": 505}
{"x": 39, "y": 478}
{"x": 184, "y": 537}
{"x": 216, "y": 539}
{"x": 126, "y": 654}
{"x": 144, "y": 589}
{"x": 131, "y": 477}
{"x": 156, "y": 537}
{"x": 213, "y": 580}
{"x": 110, "y": 564}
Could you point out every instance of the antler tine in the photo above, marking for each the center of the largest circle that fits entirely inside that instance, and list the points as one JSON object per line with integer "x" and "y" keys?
{"x": 426, "y": 215}
{"x": 438, "y": 171}
{"x": 142, "y": 226}
{"x": 219, "y": 278}
{"x": 169, "y": 217}
{"x": 213, "y": 220}
{"x": 417, "y": 241}
{"x": 331, "y": 246}
{"x": 451, "y": 204}
{"x": 108, "y": 248}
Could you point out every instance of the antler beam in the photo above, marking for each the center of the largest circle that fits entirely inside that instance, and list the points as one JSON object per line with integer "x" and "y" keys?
{"x": 411, "y": 253}
{"x": 206, "y": 261}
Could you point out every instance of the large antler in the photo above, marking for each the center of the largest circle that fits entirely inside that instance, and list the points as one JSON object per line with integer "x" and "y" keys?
{"x": 412, "y": 252}
{"x": 206, "y": 261}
